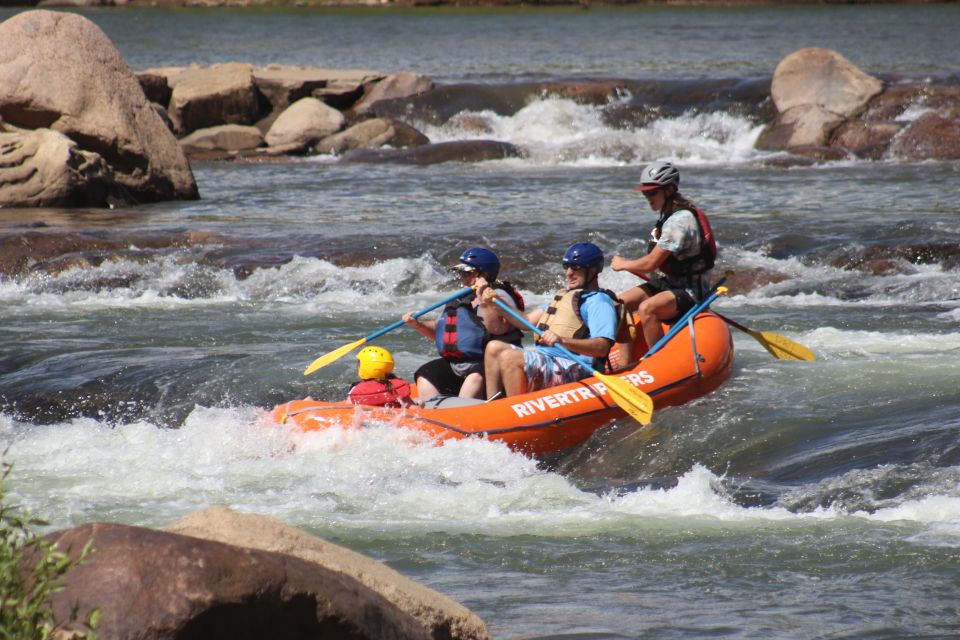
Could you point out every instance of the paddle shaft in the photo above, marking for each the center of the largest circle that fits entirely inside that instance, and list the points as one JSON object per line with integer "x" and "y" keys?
{"x": 573, "y": 356}
{"x": 678, "y": 325}
{"x": 338, "y": 353}
{"x": 400, "y": 323}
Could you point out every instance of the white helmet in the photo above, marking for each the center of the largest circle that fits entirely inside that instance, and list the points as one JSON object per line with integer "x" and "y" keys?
{"x": 658, "y": 175}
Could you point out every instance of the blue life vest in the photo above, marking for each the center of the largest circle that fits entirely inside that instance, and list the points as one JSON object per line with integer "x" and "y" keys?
{"x": 461, "y": 335}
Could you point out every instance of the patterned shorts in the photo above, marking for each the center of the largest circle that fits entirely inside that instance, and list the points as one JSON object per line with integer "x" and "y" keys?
{"x": 545, "y": 371}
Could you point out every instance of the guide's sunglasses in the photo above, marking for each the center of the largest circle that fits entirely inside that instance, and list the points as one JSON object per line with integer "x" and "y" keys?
{"x": 575, "y": 267}
{"x": 650, "y": 194}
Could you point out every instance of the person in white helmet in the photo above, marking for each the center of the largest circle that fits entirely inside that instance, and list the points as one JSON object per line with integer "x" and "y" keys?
{"x": 682, "y": 251}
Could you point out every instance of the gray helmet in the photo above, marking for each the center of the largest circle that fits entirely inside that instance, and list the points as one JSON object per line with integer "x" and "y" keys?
{"x": 658, "y": 175}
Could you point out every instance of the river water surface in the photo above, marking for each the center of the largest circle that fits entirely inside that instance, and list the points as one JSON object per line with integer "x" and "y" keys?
{"x": 800, "y": 500}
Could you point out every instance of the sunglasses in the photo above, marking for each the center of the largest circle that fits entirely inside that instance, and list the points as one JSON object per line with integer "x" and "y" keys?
{"x": 463, "y": 269}
{"x": 575, "y": 267}
{"x": 650, "y": 194}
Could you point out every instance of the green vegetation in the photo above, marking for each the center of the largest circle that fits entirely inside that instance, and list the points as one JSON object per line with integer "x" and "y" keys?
{"x": 25, "y": 610}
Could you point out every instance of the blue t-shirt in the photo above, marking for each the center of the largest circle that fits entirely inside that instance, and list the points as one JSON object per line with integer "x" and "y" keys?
{"x": 598, "y": 313}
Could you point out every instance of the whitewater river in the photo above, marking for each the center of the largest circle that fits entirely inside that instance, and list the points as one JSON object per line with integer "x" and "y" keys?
{"x": 800, "y": 500}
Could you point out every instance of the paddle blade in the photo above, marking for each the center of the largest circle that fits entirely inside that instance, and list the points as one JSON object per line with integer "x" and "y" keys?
{"x": 781, "y": 347}
{"x": 629, "y": 398}
{"x": 334, "y": 355}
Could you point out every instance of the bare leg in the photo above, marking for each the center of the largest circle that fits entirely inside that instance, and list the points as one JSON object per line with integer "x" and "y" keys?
{"x": 425, "y": 389}
{"x": 633, "y": 297}
{"x": 514, "y": 376}
{"x": 653, "y": 311}
{"x": 491, "y": 366}
{"x": 472, "y": 386}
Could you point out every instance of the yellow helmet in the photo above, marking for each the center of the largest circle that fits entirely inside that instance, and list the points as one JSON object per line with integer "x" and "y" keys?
{"x": 375, "y": 363}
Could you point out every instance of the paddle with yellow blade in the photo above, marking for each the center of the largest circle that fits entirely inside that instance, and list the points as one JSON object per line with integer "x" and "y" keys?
{"x": 780, "y": 347}
{"x": 336, "y": 354}
{"x": 629, "y": 398}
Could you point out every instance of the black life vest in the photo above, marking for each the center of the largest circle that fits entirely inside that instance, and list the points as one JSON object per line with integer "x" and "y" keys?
{"x": 699, "y": 264}
{"x": 461, "y": 335}
{"x": 392, "y": 392}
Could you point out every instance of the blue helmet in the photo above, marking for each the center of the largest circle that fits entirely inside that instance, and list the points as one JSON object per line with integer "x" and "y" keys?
{"x": 482, "y": 260}
{"x": 584, "y": 254}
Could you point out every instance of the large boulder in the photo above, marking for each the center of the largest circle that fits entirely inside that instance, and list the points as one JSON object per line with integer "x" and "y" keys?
{"x": 44, "y": 168}
{"x": 825, "y": 78}
{"x": 59, "y": 71}
{"x": 304, "y": 122}
{"x": 815, "y": 91}
{"x": 152, "y": 584}
{"x": 443, "y": 617}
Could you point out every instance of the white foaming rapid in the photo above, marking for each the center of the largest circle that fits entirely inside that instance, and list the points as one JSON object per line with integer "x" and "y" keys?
{"x": 170, "y": 282}
{"x": 377, "y": 480}
{"x": 559, "y": 131}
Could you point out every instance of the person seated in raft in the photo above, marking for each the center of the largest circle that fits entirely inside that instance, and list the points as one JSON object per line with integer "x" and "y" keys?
{"x": 682, "y": 248}
{"x": 463, "y": 330}
{"x": 582, "y": 317}
{"x": 378, "y": 387}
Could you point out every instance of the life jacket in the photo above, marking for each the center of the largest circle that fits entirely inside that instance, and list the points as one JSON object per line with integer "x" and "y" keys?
{"x": 675, "y": 267}
{"x": 461, "y": 335}
{"x": 563, "y": 317}
{"x": 392, "y": 392}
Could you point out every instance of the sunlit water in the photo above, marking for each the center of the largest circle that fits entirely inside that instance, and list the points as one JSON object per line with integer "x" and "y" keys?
{"x": 799, "y": 500}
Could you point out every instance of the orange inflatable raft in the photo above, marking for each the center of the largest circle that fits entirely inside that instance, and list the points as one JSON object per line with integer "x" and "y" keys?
{"x": 697, "y": 360}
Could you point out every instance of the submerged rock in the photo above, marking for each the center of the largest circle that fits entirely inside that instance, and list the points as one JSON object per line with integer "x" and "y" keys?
{"x": 454, "y": 151}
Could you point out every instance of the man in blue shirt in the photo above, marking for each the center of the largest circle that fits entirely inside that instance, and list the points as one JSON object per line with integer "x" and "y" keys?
{"x": 581, "y": 318}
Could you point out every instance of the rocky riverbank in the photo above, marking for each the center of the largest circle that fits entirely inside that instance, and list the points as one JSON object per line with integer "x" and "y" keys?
{"x": 82, "y": 129}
